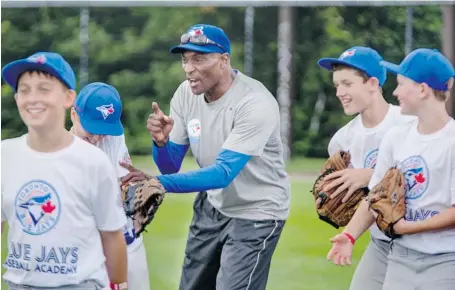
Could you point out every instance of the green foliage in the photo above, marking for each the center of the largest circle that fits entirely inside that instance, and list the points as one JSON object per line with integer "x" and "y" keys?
{"x": 129, "y": 48}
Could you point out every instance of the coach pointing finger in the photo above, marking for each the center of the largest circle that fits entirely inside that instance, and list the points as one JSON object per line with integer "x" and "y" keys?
{"x": 159, "y": 125}
{"x": 231, "y": 123}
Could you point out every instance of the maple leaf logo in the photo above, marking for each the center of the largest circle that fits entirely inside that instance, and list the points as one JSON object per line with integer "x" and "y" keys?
{"x": 348, "y": 53}
{"x": 48, "y": 207}
{"x": 41, "y": 59}
{"x": 419, "y": 178}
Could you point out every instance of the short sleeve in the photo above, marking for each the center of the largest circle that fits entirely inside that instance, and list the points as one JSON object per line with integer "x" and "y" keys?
{"x": 4, "y": 217}
{"x": 254, "y": 123}
{"x": 115, "y": 148}
{"x": 106, "y": 200}
{"x": 178, "y": 133}
{"x": 452, "y": 185}
{"x": 384, "y": 160}
{"x": 335, "y": 143}
{"x": 123, "y": 155}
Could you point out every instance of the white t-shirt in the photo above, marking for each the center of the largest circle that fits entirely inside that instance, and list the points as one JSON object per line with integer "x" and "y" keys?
{"x": 363, "y": 144}
{"x": 115, "y": 148}
{"x": 428, "y": 164}
{"x": 56, "y": 204}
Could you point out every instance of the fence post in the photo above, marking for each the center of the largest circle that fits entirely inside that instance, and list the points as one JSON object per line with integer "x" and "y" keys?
{"x": 285, "y": 42}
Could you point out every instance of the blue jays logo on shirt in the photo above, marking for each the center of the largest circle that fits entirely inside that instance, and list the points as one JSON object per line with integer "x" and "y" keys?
{"x": 194, "y": 130}
{"x": 129, "y": 232}
{"x": 37, "y": 207}
{"x": 106, "y": 110}
{"x": 371, "y": 158}
{"x": 416, "y": 174}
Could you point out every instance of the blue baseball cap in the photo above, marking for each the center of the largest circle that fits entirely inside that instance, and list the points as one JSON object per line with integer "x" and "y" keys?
{"x": 50, "y": 62}
{"x": 424, "y": 65}
{"x": 99, "y": 108}
{"x": 362, "y": 58}
{"x": 218, "y": 42}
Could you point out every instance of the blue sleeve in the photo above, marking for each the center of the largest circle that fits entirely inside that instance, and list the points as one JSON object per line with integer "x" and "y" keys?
{"x": 169, "y": 158}
{"x": 227, "y": 166}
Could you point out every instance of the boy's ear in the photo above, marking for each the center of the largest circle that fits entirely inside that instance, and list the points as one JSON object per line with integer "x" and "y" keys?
{"x": 448, "y": 94}
{"x": 73, "y": 115}
{"x": 450, "y": 83}
{"x": 425, "y": 90}
{"x": 70, "y": 97}
{"x": 374, "y": 82}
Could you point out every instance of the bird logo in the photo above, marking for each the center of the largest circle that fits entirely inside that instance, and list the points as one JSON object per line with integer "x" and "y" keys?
{"x": 106, "y": 110}
{"x": 37, "y": 207}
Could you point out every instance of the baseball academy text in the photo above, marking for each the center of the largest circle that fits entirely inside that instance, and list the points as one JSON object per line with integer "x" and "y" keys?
{"x": 53, "y": 260}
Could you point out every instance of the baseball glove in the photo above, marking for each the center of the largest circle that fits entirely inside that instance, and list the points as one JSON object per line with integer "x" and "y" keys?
{"x": 388, "y": 199}
{"x": 334, "y": 211}
{"x": 141, "y": 200}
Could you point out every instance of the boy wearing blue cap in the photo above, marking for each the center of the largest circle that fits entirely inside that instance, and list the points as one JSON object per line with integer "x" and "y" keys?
{"x": 424, "y": 256}
{"x": 59, "y": 194}
{"x": 96, "y": 119}
{"x": 358, "y": 78}
{"x": 231, "y": 122}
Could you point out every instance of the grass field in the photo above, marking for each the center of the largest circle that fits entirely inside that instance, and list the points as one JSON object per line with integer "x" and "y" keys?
{"x": 299, "y": 262}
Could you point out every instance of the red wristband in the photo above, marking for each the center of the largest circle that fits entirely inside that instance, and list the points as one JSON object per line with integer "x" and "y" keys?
{"x": 120, "y": 286}
{"x": 351, "y": 238}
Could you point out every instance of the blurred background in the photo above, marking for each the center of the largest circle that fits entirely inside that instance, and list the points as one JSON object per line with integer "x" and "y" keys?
{"x": 127, "y": 45}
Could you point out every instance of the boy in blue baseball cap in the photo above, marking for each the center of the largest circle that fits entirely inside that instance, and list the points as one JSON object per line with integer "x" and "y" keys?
{"x": 59, "y": 194}
{"x": 96, "y": 112}
{"x": 358, "y": 78}
{"x": 422, "y": 255}
{"x": 415, "y": 69}
{"x": 96, "y": 117}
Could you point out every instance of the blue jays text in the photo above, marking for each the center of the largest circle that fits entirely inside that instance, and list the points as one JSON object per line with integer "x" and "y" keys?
{"x": 54, "y": 260}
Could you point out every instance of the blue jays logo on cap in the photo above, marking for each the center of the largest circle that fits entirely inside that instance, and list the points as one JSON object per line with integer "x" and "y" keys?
{"x": 40, "y": 58}
{"x": 196, "y": 30}
{"x": 347, "y": 53}
{"x": 99, "y": 108}
{"x": 106, "y": 110}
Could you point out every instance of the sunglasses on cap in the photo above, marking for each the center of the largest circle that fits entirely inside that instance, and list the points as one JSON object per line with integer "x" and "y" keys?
{"x": 198, "y": 39}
